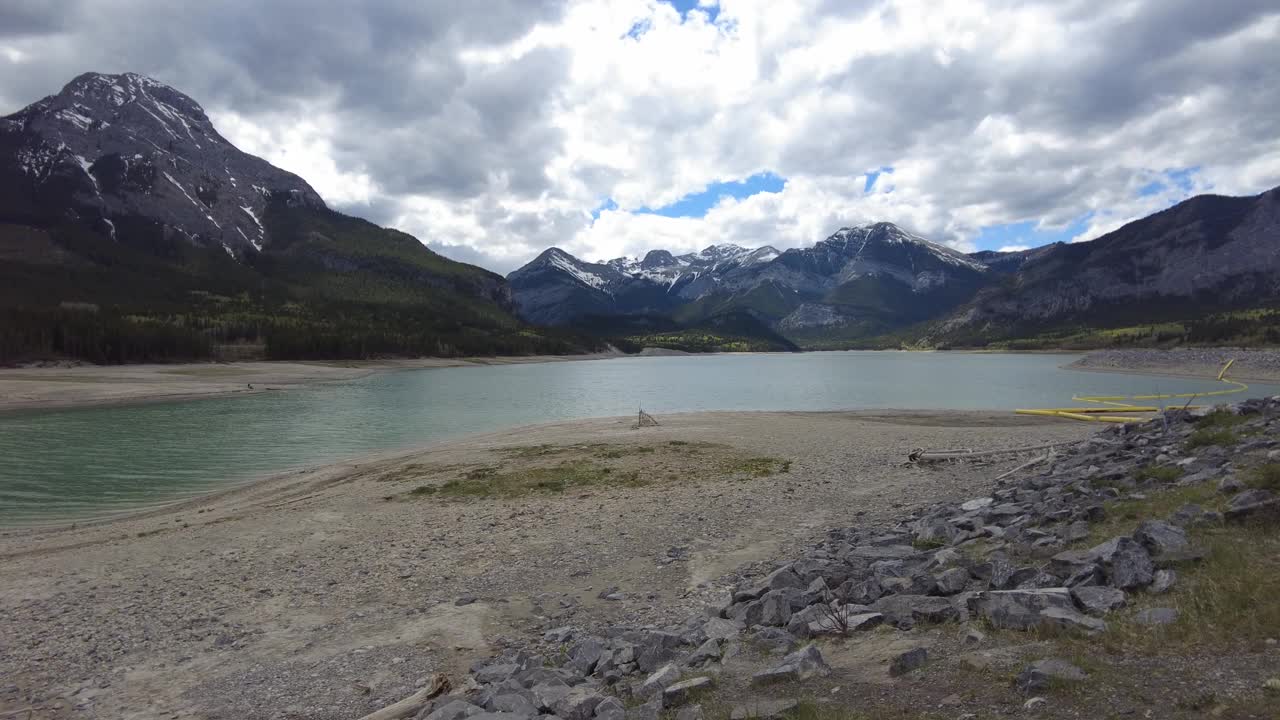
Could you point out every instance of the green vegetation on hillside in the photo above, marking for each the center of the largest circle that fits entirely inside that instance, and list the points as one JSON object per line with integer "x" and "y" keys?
{"x": 328, "y": 286}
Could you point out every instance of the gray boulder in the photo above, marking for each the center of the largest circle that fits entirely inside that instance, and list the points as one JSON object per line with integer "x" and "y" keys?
{"x": 909, "y": 610}
{"x": 679, "y": 692}
{"x": 721, "y": 629}
{"x": 1098, "y": 600}
{"x": 454, "y": 710}
{"x": 1127, "y": 563}
{"x": 513, "y": 703}
{"x": 800, "y": 665}
{"x": 952, "y": 580}
{"x": 659, "y": 680}
{"x": 910, "y": 660}
{"x": 1156, "y": 616}
{"x": 1160, "y": 537}
{"x": 1041, "y": 674}
{"x": 1251, "y": 503}
{"x": 763, "y": 709}
{"x": 1163, "y": 580}
{"x": 1018, "y": 609}
{"x": 611, "y": 708}
{"x": 1071, "y": 620}
{"x": 706, "y": 652}
{"x": 578, "y": 704}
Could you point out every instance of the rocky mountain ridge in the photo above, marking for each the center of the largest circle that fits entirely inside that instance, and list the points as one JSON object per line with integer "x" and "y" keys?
{"x": 796, "y": 289}
{"x": 880, "y": 286}
{"x": 108, "y": 147}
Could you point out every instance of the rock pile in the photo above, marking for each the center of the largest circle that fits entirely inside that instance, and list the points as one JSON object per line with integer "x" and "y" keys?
{"x": 1018, "y": 559}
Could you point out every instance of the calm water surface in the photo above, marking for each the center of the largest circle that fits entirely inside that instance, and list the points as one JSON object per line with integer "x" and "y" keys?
{"x": 63, "y": 464}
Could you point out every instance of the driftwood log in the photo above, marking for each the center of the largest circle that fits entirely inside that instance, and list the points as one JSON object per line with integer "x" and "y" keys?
{"x": 437, "y": 685}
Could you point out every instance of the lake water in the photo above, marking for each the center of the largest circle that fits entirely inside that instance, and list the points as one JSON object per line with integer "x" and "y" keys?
{"x": 62, "y": 464}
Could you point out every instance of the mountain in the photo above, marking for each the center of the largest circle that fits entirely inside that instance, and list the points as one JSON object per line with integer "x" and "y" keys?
{"x": 557, "y": 288}
{"x": 130, "y": 229}
{"x": 1207, "y": 256}
{"x": 859, "y": 281}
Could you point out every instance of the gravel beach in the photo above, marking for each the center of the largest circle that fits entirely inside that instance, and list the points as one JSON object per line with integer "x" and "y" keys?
{"x": 332, "y": 592}
{"x": 1262, "y": 365}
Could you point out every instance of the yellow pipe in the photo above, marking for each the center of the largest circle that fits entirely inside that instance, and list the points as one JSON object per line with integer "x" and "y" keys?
{"x": 1124, "y": 403}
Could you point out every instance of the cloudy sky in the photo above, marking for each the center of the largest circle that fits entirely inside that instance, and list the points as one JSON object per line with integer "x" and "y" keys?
{"x": 493, "y": 129}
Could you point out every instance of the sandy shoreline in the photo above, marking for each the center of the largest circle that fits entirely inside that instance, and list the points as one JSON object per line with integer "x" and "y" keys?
{"x": 277, "y": 598}
{"x": 93, "y": 385}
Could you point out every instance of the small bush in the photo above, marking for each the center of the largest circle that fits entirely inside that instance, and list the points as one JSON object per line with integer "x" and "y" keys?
{"x": 1265, "y": 477}
{"x": 1165, "y": 474}
{"x": 1205, "y": 437}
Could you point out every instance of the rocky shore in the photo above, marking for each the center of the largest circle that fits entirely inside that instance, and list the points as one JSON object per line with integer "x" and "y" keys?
{"x": 1262, "y": 365}
{"x": 1042, "y": 555}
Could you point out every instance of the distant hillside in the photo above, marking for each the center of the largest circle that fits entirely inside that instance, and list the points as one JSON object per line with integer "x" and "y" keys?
{"x": 1205, "y": 271}
{"x": 130, "y": 230}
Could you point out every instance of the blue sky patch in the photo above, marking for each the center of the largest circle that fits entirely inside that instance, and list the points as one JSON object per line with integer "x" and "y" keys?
{"x": 697, "y": 204}
{"x": 995, "y": 237}
{"x": 1183, "y": 180}
{"x": 687, "y": 6}
{"x": 608, "y": 204}
{"x": 874, "y": 175}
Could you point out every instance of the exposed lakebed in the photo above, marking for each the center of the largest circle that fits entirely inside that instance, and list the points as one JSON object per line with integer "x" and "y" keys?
{"x": 86, "y": 462}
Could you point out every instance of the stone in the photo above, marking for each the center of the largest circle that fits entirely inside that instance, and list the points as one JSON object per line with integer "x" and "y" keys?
{"x": 1034, "y": 704}
{"x": 689, "y": 712}
{"x": 465, "y": 600}
{"x": 977, "y": 504}
{"x": 1160, "y": 537}
{"x": 659, "y": 680}
{"x": 1075, "y": 532}
{"x": 882, "y": 552}
{"x": 784, "y": 577}
{"x": 721, "y": 629}
{"x": 1230, "y": 484}
{"x": 863, "y": 593}
{"x": 578, "y": 704}
{"x": 906, "y": 610}
{"x": 501, "y": 716}
{"x": 910, "y": 660}
{"x": 585, "y": 655}
{"x": 454, "y": 710}
{"x": 679, "y": 692}
{"x": 1063, "y": 619}
{"x": 513, "y": 703}
{"x": 559, "y": 636}
{"x": 1018, "y": 609}
{"x": 611, "y": 708}
{"x": 706, "y": 652}
{"x": 1041, "y": 674}
{"x": 1126, "y": 562}
{"x": 1251, "y": 503}
{"x": 952, "y": 581}
{"x": 974, "y": 636}
{"x": 495, "y": 673}
{"x": 1156, "y": 616}
{"x": 1163, "y": 580}
{"x": 1098, "y": 600}
{"x": 1069, "y": 562}
{"x": 548, "y": 694}
{"x": 650, "y": 710}
{"x": 774, "y": 610}
{"x": 800, "y": 665}
{"x": 763, "y": 709}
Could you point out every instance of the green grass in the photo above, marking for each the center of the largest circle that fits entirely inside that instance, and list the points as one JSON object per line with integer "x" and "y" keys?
{"x": 1165, "y": 474}
{"x": 1264, "y": 477}
{"x": 570, "y": 475}
{"x": 1123, "y": 516}
{"x": 757, "y": 466}
{"x": 1206, "y": 437}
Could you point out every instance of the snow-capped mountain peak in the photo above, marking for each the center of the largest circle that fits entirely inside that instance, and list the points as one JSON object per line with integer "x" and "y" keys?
{"x": 109, "y": 147}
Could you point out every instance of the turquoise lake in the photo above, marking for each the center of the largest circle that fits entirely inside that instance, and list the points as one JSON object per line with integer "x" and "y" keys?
{"x": 78, "y": 463}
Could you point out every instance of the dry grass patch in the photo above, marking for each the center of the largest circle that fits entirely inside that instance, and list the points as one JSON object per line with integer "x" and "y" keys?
{"x": 553, "y": 469}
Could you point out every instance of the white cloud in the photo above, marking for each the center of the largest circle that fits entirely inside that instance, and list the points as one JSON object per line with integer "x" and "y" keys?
{"x": 1014, "y": 248}
{"x": 494, "y": 130}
